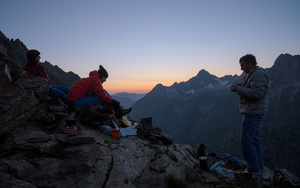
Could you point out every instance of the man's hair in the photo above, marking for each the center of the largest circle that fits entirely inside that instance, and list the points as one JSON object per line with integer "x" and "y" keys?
{"x": 249, "y": 58}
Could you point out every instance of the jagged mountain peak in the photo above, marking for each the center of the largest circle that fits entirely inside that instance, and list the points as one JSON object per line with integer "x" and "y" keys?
{"x": 286, "y": 61}
{"x": 203, "y": 72}
{"x": 285, "y": 70}
{"x": 158, "y": 87}
{"x": 201, "y": 82}
{"x": 203, "y": 76}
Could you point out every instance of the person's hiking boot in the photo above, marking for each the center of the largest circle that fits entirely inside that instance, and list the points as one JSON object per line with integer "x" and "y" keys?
{"x": 121, "y": 113}
{"x": 126, "y": 111}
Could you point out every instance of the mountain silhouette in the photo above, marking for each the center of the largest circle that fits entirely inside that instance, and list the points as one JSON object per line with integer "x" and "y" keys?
{"x": 204, "y": 110}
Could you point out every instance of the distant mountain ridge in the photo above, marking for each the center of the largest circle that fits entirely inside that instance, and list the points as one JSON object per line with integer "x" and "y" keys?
{"x": 127, "y": 99}
{"x": 16, "y": 50}
{"x": 204, "y": 110}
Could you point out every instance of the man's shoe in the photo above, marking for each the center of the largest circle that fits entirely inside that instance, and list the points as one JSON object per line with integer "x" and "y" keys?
{"x": 120, "y": 113}
{"x": 126, "y": 111}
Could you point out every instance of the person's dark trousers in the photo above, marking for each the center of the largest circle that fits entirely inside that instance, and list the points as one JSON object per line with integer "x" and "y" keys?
{"x": 250, "y": 142}
{"x": 60, "y": 92}
{"x": 92, "y": 99}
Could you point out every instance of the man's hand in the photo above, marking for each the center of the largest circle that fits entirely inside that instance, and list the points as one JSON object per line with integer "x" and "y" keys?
{"x": 234, "y": 87}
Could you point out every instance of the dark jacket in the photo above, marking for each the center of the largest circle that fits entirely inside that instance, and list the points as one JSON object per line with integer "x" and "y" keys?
{"x": 253, "y": 92}
{"x": 33, "y": 69}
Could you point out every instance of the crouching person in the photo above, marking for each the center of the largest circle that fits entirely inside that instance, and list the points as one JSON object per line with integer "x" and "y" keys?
{"x": 90, "y": 90}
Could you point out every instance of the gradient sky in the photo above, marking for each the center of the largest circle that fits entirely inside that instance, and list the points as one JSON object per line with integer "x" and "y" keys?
{"x": 142, "y": 43}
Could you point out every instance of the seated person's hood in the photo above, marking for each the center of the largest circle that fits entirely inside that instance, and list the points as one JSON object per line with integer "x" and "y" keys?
{"x": 94, "y": 73}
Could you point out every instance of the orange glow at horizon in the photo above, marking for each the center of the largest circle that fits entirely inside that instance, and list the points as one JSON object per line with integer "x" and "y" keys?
{"x": 128, "y": 91}
{"x": 133, "y": 85}
{"x": 129, "y": 87}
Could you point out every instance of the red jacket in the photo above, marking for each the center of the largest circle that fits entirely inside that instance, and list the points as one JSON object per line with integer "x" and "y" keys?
{"x": 36, "y": 70}
{"x": 90, "y": 84}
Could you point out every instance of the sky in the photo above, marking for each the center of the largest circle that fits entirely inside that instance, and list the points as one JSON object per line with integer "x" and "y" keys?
{"x": 142, "y": 43}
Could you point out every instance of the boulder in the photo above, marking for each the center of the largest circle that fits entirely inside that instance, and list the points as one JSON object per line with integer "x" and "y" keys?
{"x": 16, "y": 104}
{"x": 37, "y": 84}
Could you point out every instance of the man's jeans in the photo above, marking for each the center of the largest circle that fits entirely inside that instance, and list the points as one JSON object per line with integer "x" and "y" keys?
{"x": 60, "y": 92}
{"x": 250, "y": 142}
{"x": 93, "y": 99}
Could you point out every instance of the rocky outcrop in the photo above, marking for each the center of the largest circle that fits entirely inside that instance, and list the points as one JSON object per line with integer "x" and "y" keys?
{"x": 35, "y": 150}
{"x": 16, "y": 103}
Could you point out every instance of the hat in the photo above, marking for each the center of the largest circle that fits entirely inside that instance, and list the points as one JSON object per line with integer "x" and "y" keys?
{"x": 102, "y": 72}
{"x": 32, "y": 54}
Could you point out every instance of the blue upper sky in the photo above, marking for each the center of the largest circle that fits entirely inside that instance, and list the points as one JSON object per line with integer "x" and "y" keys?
{"x": 145, "y": 42}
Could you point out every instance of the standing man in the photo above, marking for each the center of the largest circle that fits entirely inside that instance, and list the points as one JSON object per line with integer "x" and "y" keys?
{"x": 253, "y": 91}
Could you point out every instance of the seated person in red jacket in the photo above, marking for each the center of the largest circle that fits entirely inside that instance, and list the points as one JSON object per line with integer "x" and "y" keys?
{"x": 34, "y": 68}
{"x": 90, "y": 90}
